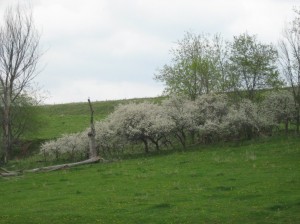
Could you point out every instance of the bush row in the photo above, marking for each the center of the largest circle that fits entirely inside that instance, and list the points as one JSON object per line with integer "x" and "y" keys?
{"x": 177, "y": 120}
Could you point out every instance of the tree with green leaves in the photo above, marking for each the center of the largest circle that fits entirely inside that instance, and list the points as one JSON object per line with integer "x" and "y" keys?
{"x": 252, "y": 66}
{"x": 193, "y": 70}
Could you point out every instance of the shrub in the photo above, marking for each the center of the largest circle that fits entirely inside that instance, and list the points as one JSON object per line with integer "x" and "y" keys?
{"x": 73, "y": 146}
{"x": 107, "y": 139}
{"x": 142, "y": 122}
{"x": 181, "y": 114}
{"x": 278, "y": 107}
{"x": 244, "y": 121}
{"x": 211, "y": 112}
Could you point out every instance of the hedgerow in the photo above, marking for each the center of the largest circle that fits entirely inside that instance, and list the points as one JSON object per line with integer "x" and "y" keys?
{"x": 177, "y": 121}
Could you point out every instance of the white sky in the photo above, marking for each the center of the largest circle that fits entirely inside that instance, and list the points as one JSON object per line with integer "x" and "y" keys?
{"x": 111, "y": 49}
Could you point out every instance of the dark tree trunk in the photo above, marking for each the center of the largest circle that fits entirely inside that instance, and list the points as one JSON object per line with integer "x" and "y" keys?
{"x": 298, "y": 120}
{"x": 182, "y": 138}
{"x": 7, "y": 138}
{"x": 92, "y": 134}
{"x": 286, "y": 124}
{"x": 146, "y": 145}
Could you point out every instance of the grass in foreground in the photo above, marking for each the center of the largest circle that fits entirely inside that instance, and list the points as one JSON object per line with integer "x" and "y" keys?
{"x": 253, "y": 183}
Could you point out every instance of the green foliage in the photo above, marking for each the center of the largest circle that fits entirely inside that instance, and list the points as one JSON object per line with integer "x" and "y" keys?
{"x": 194, "y": 68}
{"x": 24, "y": 121}
{"x": 255, "y": 182}
{"x": 202, "y": 65}
{"x": 252, "y": 65}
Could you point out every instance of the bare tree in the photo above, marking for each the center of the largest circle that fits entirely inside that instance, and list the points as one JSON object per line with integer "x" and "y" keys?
{"x": 19, "y": 55}
{"x": 289, "y": 49}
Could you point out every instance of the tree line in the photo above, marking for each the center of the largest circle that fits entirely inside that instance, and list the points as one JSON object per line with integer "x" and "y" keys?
{"x": 203, "y": 64}
{"x": 178, "y": 122}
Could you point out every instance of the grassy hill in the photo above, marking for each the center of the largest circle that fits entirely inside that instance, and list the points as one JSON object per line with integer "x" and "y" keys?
{"x": 59, "y": 119}
{"x": 256, "y": 182}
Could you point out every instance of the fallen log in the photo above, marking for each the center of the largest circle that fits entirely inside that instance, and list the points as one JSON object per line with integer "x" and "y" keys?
{"x": 7, "y": 173}
{"x": 64, "y": 166}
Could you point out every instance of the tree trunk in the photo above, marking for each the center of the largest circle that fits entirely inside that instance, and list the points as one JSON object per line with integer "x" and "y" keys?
{"x": 298, "y": 121}
{"x": 286, "y": 126}
{"x": 182, "y": 138}
{"x": 146, "y": 145}
{"x": 92, "y": 134}
{"x": 6, "y": 173}
{"x": 92, "y": 144}
{"x": 6, "y": 135}
{"x": 64, "y": 166}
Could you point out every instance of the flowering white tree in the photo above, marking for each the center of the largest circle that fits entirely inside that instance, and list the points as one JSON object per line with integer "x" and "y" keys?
{"x": 181, "y": 112}
{"x": 74, "y": 145}
{"x": 279, "y": 107}
{"x": 142, "y": 122}
{"x": 212, "y": 106}
{"x": 212, "y": 131}
{"x": 51, "y": 148}
{"x": 71, "y": 145}
{"x": 107, "y": 138}
{"x": 161, "y": 127}
{"x": 211, "y": 112}
{"x": 245, "y": 121}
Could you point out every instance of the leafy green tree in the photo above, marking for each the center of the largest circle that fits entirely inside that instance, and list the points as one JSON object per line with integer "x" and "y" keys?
{"x": 252, "y": 66}
{"x": 193, "y": 70}
{"x": 221, "y": 50}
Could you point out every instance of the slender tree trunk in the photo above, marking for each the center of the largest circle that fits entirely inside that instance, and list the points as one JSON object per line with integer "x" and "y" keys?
{"x": 298, "y": 120}
{"x": 155, "y": 142}
{"x": 146, "y": 145}
{"x": 6, "y": 127}
{"x": 182, "y": 138}
{"x": 92, "y": 134}
{"x": 286, "y": 126}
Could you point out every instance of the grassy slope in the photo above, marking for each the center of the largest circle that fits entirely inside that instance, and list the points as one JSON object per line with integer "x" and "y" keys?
{"x": 252, "y": 183}
{"x": 56, "y": 120}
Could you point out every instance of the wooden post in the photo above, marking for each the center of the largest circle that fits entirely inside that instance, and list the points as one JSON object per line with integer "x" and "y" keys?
{"x": 92, "y": 134}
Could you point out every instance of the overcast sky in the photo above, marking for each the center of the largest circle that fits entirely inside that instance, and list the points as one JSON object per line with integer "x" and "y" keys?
{"x": 111, "y": 49}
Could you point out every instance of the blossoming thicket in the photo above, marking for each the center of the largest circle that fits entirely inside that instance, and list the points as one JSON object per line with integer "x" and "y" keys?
{"x": 177, "y": 120}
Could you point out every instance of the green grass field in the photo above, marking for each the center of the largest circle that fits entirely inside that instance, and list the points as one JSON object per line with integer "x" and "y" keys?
{"x": 255, "y": 182}
{"x": 59, "y": 119}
